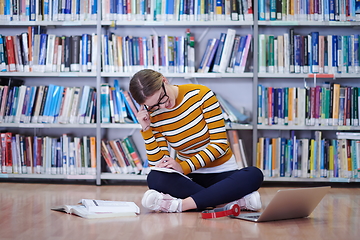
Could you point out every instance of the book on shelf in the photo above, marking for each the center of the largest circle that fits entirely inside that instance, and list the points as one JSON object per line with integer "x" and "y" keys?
{"x": 92, "y": 209}
{"x": 235, "y": 147}
{"x": 322, "y": 105}
{"x": 230, "y": 113}
{"x": 47, "y": 155}
{"x": 309, "y": 158}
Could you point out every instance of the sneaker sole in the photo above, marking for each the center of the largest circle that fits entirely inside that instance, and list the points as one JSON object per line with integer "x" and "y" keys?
{"x": 258, "y": 207}
{"x": 144, "y": 200}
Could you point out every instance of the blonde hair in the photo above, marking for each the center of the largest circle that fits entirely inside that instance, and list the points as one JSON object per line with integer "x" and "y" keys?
{"x": 144, "y": 84}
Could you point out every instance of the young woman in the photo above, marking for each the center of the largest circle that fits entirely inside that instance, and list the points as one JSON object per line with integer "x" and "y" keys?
{"x": 188, "y": 118}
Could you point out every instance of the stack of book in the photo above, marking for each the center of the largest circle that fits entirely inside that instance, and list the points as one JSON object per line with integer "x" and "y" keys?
{"x": 228, "y": 53}
{"x": 168, "y": 54}
{"x": 310, "y": 158}
{"x": 312, "y": 53}
{"x": 325, "y": 105}
{"x": 37, "y": 51}
{"x": 53, "y": 10}
{"x": 309, "y": 10}
{"x": 122, "y": 156}
{"x": 66, "y": 155}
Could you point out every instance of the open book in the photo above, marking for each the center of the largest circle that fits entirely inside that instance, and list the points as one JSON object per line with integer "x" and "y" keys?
{"x": 89, "y": 208}
{"x": 168, "y": 170}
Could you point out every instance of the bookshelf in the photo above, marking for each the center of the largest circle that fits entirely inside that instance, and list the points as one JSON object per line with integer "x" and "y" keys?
{"x": 241, "y": 87}
{"x": 95, "y": 78}
{"x": 303, "y": 25}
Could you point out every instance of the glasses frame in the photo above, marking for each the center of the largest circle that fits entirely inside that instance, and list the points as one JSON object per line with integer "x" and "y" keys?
{"x": 161, "y": 101}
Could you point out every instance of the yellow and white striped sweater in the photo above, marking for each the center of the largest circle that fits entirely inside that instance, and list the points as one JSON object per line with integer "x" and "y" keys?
{"x": 195, "y": 128}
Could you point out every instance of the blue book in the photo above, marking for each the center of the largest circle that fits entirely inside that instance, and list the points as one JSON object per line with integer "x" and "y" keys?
{"x": 78, "y": 6}
{"x": 58, "y": 102}
{"x": 35, "y": 147}
{"x": 120, "y": 99}
{"x": 83, "y": 103}
{"x": 260, "y": 104}
{"x": 240, "y": 53}
{"x": 57, "y": 93}
{"x": 262, "y": 12}
{"x": 119, "y": 6}
{"x": 297, "y": 53}
{"x": 115, "y": 105}
{"x": 84, "y": 52}
{"x": 205, "y": 56}
{"x": 332, "y": 10}
{"x": 170, "y": 9}
{"x": 42, "y": 53}
{"x": 272, "y": 10}
{"x": 2, "y": 55}
{"x": 32, "y": 10}
{"x": 128, "y": 109}
{"x": 14, "y": 105}
{"x": 105, "y": 103}
{"x": 334, "y": 53}
{"x": 94, "y": 7}
{"x": 315, "y": 52}
{"x": 219, "y": 52}
{"x": 339, "y": 53}
{"x": 30, "y": 104}
{"x": 67, "y": 10}
{"x": 270, "y": 160}
{"x": 282, "y": 157}
{"x": 106, "y": 53}
{"x": 210, "y": 61}
{"x": 48, "y": 103}
{"x": 53, "y": 154}
{"x": 280, "y": 110}
{"x": 266, "y": 156}
{"x": 356, "y": 52}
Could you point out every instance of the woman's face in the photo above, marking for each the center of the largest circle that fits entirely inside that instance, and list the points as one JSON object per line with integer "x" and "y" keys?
{"x": 164, "y": 98}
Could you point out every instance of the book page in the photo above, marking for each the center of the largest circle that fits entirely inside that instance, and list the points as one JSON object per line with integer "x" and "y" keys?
{"x": 93, "y": 205}
{"x": 168, "y": 170}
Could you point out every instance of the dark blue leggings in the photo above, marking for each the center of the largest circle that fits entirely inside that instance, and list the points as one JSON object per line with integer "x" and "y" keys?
{"x": 210, "y": 189}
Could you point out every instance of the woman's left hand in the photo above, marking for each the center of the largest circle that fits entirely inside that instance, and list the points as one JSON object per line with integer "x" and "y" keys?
{"x": 169, "y": 162}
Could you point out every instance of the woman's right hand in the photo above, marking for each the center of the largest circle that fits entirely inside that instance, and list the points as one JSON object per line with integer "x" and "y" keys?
{"x": 143, "y": 118}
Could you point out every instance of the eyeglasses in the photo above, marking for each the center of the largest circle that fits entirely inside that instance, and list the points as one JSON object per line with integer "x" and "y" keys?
{"x": 162, "y": 100}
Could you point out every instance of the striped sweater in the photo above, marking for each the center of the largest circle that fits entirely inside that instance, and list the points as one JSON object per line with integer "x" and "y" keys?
{"x": 195, "y": 128}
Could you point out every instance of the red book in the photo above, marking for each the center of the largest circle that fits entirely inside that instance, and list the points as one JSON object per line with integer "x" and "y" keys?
{"x": 8, "y": 157}
{"x": 141, "y": 51}
{"x": 30, "y": 38}
{"x": 3, "y": 152}
{"x": 39, "y": 156}
{"x": 10, "y": 53}
{"x": 130, "y": 101}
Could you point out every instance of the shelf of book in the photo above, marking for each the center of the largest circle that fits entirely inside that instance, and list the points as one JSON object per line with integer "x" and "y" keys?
{"x": 48, "y": 74}
{"x": 307, "y": 23}
{"x": 112, "y": 176}
{"x": 313, "y": 128}
{"x": 48, "y": 23}
{"x": 291, "y": 179}
{"x": 48, "y": 176}
{"x": 47, "y": 125}
{"x": 238, "y": 126}
{"x": 121, "y": 125}
{"x": 184, "y": 75}
{"x": 306, "y": 75}
{"x": 177, "y": 23}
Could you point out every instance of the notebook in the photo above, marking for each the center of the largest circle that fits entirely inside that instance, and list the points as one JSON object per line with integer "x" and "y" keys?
{"x": 288, "y": 204}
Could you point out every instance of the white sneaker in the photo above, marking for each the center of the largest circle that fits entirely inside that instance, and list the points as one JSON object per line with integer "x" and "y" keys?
{"x": 250, "y": 202}
{"x": 161, "y": 202}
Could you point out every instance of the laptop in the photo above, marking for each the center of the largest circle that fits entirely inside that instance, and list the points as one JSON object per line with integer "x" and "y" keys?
{"x": 288, "y": 204}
